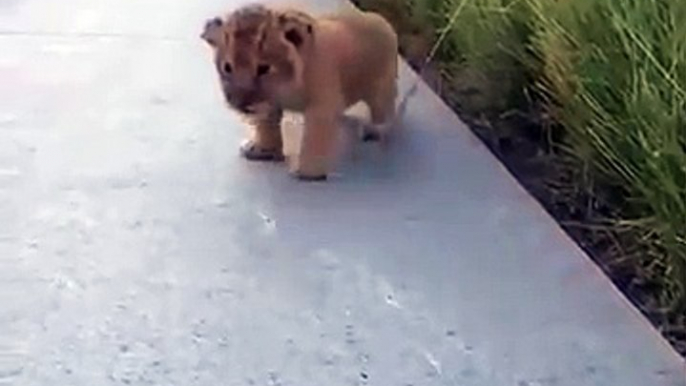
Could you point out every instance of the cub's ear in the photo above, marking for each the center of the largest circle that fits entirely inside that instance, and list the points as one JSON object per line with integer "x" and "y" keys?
{"x": 297, "y": 27}
{"x": 212, "y": 33}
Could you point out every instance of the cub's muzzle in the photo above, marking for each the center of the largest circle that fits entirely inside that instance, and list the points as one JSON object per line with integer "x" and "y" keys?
{"x": 242, "y": 99}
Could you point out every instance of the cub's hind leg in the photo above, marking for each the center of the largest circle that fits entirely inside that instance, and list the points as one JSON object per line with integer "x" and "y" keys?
{"x": 266, "y": 143}
{"x": 382, "y": 108}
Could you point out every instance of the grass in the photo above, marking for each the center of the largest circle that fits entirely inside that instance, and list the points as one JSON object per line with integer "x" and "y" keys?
{"x": 615, "y": 74}
{"x": 604, "y": 83}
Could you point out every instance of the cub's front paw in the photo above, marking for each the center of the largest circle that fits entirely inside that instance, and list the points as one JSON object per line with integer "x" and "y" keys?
{"x": 310, "y": 178}
{"x": 252, "y": 152}
{"x": 306, "y": 173}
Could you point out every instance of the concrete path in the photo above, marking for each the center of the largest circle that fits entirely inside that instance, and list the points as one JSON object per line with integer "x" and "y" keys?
{"x": 137, "y": 248}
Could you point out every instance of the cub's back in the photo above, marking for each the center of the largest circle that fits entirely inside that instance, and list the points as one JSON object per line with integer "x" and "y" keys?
{"x": 372, "y": 29}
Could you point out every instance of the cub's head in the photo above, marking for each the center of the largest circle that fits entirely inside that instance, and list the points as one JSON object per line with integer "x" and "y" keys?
{"x": 259, "y": 53}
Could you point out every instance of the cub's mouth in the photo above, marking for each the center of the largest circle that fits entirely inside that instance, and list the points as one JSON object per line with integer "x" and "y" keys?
{"x": 245, "y": 101}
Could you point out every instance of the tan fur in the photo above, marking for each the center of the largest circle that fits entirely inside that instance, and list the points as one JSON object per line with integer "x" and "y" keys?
{"x": 285, "y": 59}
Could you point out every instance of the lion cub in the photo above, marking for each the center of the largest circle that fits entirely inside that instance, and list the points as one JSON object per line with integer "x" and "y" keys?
{"x": 274, "y": 59}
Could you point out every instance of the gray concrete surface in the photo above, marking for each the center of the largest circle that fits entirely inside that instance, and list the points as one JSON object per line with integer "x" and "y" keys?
{"x": 137, "y": 248}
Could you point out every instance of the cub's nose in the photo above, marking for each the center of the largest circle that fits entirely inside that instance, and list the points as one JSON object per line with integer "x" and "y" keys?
{"x": 245, "y": 100}
{"x": 244, "y": 106}
{"x": 238, "y": 101}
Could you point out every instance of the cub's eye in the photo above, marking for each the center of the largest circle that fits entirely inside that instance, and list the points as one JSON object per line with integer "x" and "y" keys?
{"x": 262, "y": 69}
{"x": 227, "y": 68}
